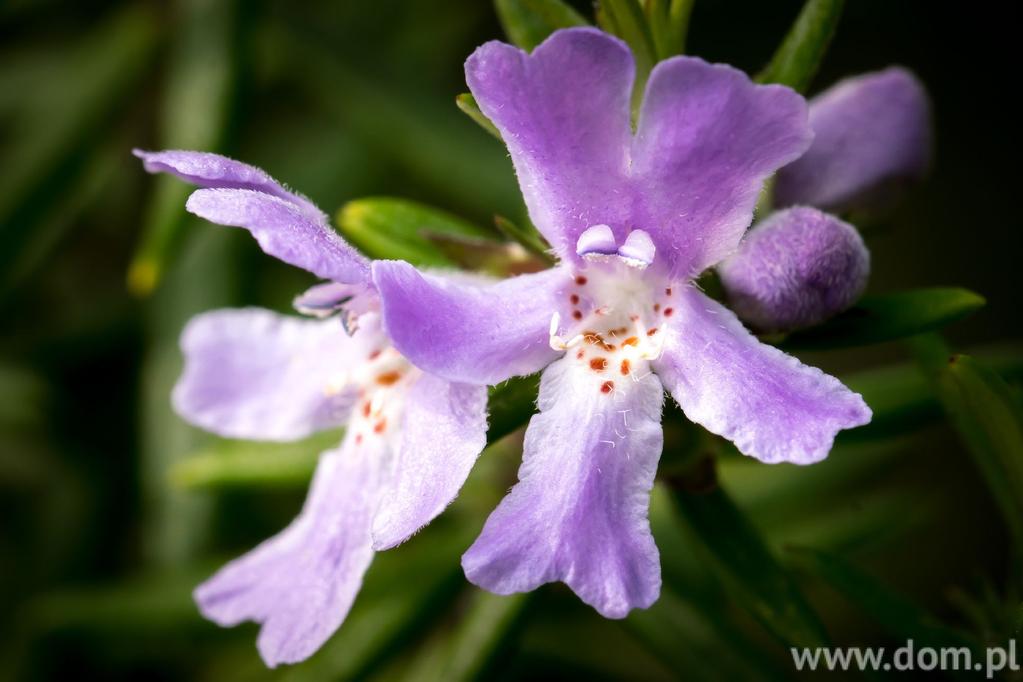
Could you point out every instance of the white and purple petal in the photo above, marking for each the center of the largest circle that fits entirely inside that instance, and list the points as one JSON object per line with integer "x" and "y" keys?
{"x": 795, "y": 269}
{"x": 300, "y": 584}
{"x": 284, "y": 230}
{"x": 873, "y": 133}
{"x": 772, "y": 406}
{"x": 254, "y": 374}
{"x": 579, "y": 511}
{"x": 477, "y": 334}
{"x": 443, "y": 431}
{"x": 707, "y": 139}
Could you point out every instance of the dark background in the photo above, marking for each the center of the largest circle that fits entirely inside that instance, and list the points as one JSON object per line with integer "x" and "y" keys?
{"x": 99, "y": 548}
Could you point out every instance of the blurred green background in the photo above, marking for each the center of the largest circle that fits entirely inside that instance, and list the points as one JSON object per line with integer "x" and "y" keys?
{"x": 103, "y": 532}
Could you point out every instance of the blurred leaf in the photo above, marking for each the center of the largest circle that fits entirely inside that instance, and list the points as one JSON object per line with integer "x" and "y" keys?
{"x": 389, "y": 228}
{"x": 748, "y": 570}
{"x": 63, "y": 119}
{"x": 888, "y": 317}
{"x": 229, "y": 463}
{"x": 499, "y": 259}
{"x": 467, "y": 104}
{"x": 626, "y": 19}
{"x": 528, "y": 237}
{"x": 669, "y": 23}
{"x": 895, "y": 613}
{"x": 702, "y": 644}
{"x": 415, "y": 131}
{"x": 799, "y": 56}
{"x": 143, "y": 605}
{"x": 196, "y": 106}
{"x": 989, "y": 419}
{"x": 483, "y": 633}
{"x": 527, "y": 23}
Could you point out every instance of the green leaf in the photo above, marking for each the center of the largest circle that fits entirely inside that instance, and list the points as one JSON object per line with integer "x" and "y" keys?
{"x": 467, "y": 104}
{"x": 499, "y": 259}
{"x": 194, "y": 114}
{"x": 230, "y": 463}
{"x": 385, "y": 227}
{"x": 627, "y": 20}
{"x": 527, "y": 236}
{"x": 669, "y": 22}
{"x": 483, "y": 634}
{"x": 892, "y": 611}
{"x": 748, "y": 569}
{"x": 799, "y": 56}
{"x": 527, "y": 23}
{"x": 888, "y": 317}
{"x": 989, "y": 419}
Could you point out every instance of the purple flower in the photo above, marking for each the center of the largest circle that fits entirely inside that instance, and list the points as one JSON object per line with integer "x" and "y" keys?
{"x": 802, "y": 266}
{"x": 634, "y": 217}
{"x": 411, "y": 437}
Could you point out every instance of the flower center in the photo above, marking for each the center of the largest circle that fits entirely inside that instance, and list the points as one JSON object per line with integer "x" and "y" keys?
{"x": 379, "y": 381}
{"x": 618, "y": 310}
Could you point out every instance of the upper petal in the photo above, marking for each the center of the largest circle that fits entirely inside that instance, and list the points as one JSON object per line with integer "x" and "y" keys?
{"x": 563, "y": 112}
{"x": 871, "y": 132}
{"x": 768, "y": 403}
{"x": 795, "y": 269}
{"x": 707, "y": 139}
{"x": 284, "y": 230}
{"x": 478, "y": 334}
{"x": 301, "y": 583}
{"x": 443, "y": 432}
{"x": 286, "y": 224}
{"x": 579, "y": 511}
{"x": 252, "y": 373}
{"x": 204, "y": 169}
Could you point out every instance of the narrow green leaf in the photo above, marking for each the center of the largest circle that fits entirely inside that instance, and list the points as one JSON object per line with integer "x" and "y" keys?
{"x": 888, "y": 317}
{"x": 229, "y": 463}
{"x": 527, "y": 23}
{"x": 799, "y": 56}
{"x": 669, "y": 23}
{"x": 483, "y": 634}
{"x": 989, "y": 419}
{"x": 528, "y": 237}
{"x": 627, "y": 20}
{"x": 385, "y": 227}
{"x": 467, "y": 104}
{"x": 748, "y": 569}
{"x": 500, "y": 259}
{"x": 196, "y": 107}
{"x": 892, "y": 611}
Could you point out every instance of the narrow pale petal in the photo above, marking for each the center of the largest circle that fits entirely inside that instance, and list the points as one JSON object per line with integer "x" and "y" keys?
{"x": 468, "y": 333}
{"x": 301, "y": 583}
{"x": 873, "y": 133}
{"x": 284, "y": 230}
{"x": 254, "y": 374}
{"x": 768, "y": 403}
{"x": 579, "y": 511}
{"x": 204, "y": 169}
{"x": 443, "y": 432}
{"x": 796, "y": 269}
{"x": 706, "y": 141}
{"x": 563, "y": 112}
